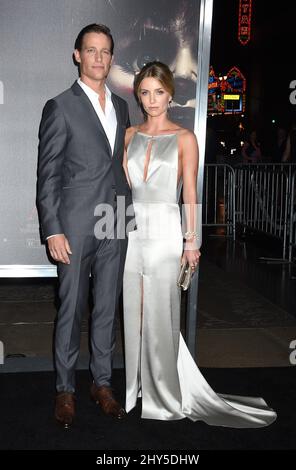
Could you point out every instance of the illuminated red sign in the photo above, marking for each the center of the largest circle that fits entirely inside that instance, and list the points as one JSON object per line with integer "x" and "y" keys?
{"x": 244, "y": 21}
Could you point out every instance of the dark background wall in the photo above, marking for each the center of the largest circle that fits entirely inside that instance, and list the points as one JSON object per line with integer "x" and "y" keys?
{"x": 267, "y": 61}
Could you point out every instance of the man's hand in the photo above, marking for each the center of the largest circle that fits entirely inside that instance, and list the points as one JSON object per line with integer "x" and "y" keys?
{"x": 59, "y": 248}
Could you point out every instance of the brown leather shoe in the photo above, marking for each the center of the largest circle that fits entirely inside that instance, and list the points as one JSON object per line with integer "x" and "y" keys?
{"x": 65, "y": 408}
{"x": 103, "y": 396}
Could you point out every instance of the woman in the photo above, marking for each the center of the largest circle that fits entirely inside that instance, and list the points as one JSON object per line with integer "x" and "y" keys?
{"x": 159, "y": 367}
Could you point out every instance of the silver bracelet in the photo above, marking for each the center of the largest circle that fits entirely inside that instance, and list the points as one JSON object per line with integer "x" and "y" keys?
{"x": 190, "y": 234}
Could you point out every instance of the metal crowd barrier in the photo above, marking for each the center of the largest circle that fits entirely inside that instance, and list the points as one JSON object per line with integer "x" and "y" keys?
{"x": 219, "y": 197}
{"x": 287, "y": 168}
{"x": 264, "y": 201}
{"x": 260, "y": 197}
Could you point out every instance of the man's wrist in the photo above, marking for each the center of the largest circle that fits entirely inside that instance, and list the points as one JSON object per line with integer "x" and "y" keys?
{"x": 50, "y": 236}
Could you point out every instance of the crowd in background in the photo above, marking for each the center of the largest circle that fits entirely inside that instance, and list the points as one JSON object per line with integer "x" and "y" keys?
{"x": 238, "y": 143}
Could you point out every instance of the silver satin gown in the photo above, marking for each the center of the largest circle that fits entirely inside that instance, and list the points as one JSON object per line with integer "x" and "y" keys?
{"x": 159, "y": 367}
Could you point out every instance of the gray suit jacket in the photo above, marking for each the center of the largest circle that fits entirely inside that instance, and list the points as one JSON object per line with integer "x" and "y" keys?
{"x": 76, "y": 168}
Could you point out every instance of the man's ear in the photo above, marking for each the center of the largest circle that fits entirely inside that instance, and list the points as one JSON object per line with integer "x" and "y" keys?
{"x": 77, "y": 56}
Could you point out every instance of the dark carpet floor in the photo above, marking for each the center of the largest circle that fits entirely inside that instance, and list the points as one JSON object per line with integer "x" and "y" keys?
{"x": 27, "y": 401}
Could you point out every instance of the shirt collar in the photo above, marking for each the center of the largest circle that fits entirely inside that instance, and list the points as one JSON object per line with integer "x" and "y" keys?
{"x": 92, "y": 95}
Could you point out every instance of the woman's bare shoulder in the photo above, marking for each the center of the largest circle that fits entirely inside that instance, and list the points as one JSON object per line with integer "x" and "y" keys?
{"x": 130, "y": 131}
{"x": 187, "y": 137}
{"x": 186, "y": 133}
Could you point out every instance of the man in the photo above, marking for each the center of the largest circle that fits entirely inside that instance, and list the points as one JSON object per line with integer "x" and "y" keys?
{"x": 80, "y": 168}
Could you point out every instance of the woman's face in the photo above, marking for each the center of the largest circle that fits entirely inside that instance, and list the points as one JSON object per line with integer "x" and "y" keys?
{"x": 153, "y": 97}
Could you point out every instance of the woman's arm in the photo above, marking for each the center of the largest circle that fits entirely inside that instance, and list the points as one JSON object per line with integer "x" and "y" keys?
{"x": 124, "y": 164}
{"x": 128, "y": 135}
{"x": 189, "y": 153}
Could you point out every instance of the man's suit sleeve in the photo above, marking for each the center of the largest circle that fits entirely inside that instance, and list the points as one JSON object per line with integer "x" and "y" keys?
{"x": 52, "y": 142}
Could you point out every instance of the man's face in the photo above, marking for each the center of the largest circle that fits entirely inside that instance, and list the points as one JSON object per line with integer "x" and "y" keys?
{"x": 95, "y": 57}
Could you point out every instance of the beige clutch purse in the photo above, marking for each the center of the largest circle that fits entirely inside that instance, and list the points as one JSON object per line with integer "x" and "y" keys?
{"x": 184, "y": 276}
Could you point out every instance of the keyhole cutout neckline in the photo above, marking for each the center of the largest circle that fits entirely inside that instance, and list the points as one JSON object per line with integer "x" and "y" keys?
{"x": 149, "y": 150}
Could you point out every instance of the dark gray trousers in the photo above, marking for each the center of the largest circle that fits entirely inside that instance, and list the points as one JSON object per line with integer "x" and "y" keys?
{"x": 104, "y": 259}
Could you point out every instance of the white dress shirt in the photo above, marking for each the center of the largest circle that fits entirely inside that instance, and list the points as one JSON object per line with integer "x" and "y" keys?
{"x": 108, "y": 118}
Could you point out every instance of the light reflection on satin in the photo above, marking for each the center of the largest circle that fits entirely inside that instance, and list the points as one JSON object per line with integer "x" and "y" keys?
{"x": 159, "y": 366}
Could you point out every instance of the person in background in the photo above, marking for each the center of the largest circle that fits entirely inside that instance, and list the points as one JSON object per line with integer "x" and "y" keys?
{"x": 251, "y": 150}
{"x": 279, "y": 145}
{"x": 289, "y": 154}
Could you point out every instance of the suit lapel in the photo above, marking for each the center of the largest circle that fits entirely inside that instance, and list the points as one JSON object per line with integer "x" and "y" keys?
{"x": 79, "y": 91}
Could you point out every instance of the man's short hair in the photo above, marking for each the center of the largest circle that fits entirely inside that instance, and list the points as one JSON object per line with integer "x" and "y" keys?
{"x": 94, "y": 28}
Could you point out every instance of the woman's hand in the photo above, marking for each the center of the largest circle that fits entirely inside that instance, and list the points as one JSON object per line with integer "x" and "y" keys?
{"x": 192, "y": 256}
